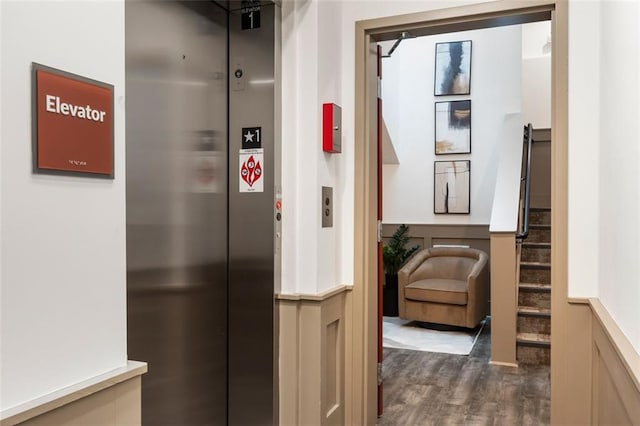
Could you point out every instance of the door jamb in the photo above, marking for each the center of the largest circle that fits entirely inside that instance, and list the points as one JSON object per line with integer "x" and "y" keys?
{"x": 361, "y": 394}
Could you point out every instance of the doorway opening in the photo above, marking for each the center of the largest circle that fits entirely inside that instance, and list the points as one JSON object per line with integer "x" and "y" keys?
{"x": 368, "y": 34}
{"x": 438, "y": 143}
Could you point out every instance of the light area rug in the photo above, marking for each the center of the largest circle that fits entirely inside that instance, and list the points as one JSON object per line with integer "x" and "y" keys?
{"x": 404, "y": 334}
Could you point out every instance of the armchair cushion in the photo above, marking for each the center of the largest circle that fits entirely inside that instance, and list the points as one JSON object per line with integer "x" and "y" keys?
{"x": 438, "y": 290}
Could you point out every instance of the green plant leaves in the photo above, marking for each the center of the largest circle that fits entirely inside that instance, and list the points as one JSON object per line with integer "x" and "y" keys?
{"x": 395, "y": 253}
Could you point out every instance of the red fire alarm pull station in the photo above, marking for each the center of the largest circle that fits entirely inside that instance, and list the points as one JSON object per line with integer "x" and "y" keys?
{"x": 331, "y": 128}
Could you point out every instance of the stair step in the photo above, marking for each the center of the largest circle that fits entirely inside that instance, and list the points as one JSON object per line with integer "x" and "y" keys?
{"x": 534, "y": 275}
{"x": 540, "y": 216}
{"x": 533, "y": 355}
{"x": 539, "y": 234}
{"x": 534, "y": 299}
{"x": 533, "y": 339}
{"x": 533, "y": 311}
{"x": 534, "y": 287}
{"x": 535, "y": 265}
{"x": 529, "y": 324}
{"x": 533, "y": 342}
{"x": 536, "y": 252}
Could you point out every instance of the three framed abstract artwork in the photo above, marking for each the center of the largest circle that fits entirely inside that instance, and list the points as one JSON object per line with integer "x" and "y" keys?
{"x": 452, "y": 124}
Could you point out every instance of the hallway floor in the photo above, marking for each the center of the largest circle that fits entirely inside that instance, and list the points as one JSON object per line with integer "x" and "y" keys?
{"x": 425, "y": 388}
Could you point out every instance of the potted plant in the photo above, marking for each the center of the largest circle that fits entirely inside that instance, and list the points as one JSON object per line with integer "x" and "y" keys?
{"x": 394, "y": 255}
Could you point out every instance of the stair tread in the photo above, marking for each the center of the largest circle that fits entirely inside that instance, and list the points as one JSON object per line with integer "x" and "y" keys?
{"x": 541, "y": 245}
{"x": 539, "y": 226}
{"x": 535, "y": 286}
{"x": 533, "y": 338}
{"x": 538, "y": 265}
{"x": 534, "y": 310}
{"x": 540, "y": 209}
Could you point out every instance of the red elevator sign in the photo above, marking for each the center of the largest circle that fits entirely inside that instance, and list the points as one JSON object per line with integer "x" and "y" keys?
{"x": 73, "y": 124}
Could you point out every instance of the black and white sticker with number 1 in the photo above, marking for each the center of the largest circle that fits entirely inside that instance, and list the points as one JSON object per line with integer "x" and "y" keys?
{"x": 251, "y": 137}
{"x": 250, "y": 16}
{"x": 251, "y": 170}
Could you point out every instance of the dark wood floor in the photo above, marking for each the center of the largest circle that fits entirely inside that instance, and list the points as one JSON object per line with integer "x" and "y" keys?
{"x": 424, "y": 388}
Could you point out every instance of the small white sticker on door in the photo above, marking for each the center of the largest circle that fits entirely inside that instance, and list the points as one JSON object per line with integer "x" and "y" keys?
{"x": 251, "y": 170}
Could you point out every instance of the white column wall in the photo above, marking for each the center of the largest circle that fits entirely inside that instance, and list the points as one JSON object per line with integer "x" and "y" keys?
{"x": 63, "y": 305}
{"x": 300, "y": 146}
{"x": 604, "y": 186}
{"x": 330, "y": 166}
{"x": 496, "y": 92}
{"x": 584, "y": 147}
{"x": 619, "y": 251}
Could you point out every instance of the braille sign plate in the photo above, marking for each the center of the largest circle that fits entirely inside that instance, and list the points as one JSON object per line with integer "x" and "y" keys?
{"x": 72, "y": 124}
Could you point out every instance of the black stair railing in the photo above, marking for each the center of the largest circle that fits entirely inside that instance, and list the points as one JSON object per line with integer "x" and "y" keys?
{"x": 526, "y": 178}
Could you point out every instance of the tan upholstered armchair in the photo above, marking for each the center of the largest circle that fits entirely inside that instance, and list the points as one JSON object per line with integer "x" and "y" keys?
{"x": 445, "y": 285}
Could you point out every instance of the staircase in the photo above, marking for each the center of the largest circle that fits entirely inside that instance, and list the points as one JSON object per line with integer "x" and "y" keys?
{"x": 533, "y": 343}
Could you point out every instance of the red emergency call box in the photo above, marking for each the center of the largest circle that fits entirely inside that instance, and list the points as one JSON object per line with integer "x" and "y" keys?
{"x": 331, "y": 128}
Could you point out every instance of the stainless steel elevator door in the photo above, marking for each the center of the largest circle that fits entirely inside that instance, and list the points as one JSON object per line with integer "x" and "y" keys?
{"x": 176, "y": 102}
{"x": 252, "y": 357}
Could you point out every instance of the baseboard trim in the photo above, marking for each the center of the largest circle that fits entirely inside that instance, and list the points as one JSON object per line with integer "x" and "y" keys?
{"x": 29, "y": 410}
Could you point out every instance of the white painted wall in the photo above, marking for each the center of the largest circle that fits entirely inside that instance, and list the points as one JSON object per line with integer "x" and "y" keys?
{"x": 584, "y": 148}
{"x": 318, "y": 66}
{"x": 63, "y": 306}
{"x": 535, "y": 36}
{"x": 536, "y": 74}
{"x": 506, "y": 197}
{"x": 619, "y": 250}
{"x": 536, "y": 91}
{"x": 330, "y": 251}
{"x": 409, "y": 112}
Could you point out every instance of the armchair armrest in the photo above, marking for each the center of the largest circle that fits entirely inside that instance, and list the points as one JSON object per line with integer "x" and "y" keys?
{"x": 478, "y": 266}
{"x": 410, "y": 267}
{"x": 404, "y": 274}
{"x": 478, "y": 291}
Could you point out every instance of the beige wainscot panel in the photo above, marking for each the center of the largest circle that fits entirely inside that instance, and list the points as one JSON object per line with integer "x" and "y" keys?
{"x": 312, "y": 358}
{"x": 615, "y": 372}
{"x": 113, "y": 398}
{"x": 504, "y": 299}
{"x": 430, "y": 235}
